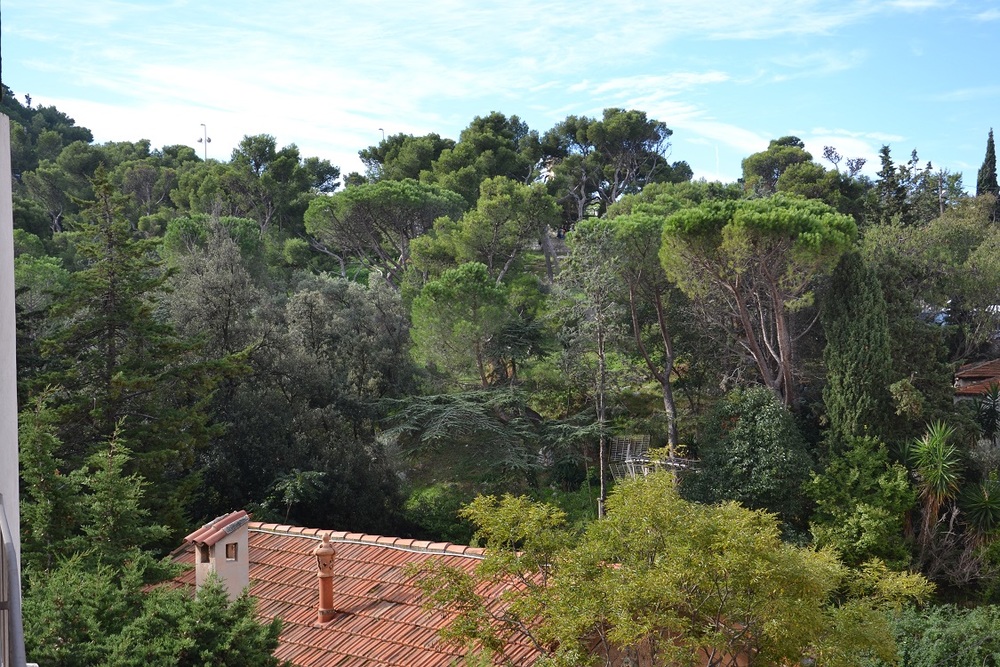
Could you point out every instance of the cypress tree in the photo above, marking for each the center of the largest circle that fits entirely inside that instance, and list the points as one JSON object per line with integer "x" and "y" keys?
{"x": 986, "y": 182}
{"x": 857, "y": 353}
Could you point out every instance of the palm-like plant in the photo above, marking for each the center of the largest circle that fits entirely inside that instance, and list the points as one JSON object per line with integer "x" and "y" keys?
{"x": 938, "y": 468}
{"x": 988, "y": 412}
{"x": 981, "y": 507}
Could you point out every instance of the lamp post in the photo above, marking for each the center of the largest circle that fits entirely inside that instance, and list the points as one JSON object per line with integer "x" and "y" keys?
{"x": 383, "y": 133}
{"x": 205, "y": 140}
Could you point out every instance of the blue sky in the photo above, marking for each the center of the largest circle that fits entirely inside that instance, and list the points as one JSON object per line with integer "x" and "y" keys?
{"x": 725, "y": 75}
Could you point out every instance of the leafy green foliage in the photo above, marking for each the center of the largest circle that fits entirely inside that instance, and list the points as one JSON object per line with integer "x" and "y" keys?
{"x": 858, "y": 364}
{"x": 980, "y": 505}
{"x": 752, "y": 452}
{"x": 492, "y": 145}
{"x": 402, "y": 156}
{"x": 590, "y": 285}
{"x": 50, "y": 503}
{"x": 271, "y": 185}
{"x": 947, "y": 636}
{"x": 652, "y": 299}
{"x": 486, "y": 437}
{"x": 120, "y": 368}
{"x": 988, "y": 412}
{"x": 374, "y": 223}
{"x": 986, "y": 179}
{"x": 315, "y": 370}
{"x": 507, "y": 218}
{"x": 593, "y": 162}
{"x": 663, "y": 581}
{"x": 752, "y": 264}
{"x": 78, "y": 615}
{"x": 761, "y": 171}
{"x": 454, "y": 318}
{"x": 522, "y": 540}
{"x": 295, "y": 488}
{"x": 435, "y": 511}
{"x": 861, "y": 504}
{"x": 939, "y": 471}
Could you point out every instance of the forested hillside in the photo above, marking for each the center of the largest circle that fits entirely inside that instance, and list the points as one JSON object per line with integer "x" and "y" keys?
{"x": 484, "y": 315}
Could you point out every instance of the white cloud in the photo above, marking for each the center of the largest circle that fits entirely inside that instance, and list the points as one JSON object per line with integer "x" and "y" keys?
{"x": 881, "y": 137}
{"x": 661, "y": 83}
{"x": 992, "y": 14}
{"x": 817, "y": 63}
{"x": 969, "y": 94}
{"x": 732, "y": 136}
{"x": 918, "y": 5}
{"x": 327, "y": 75}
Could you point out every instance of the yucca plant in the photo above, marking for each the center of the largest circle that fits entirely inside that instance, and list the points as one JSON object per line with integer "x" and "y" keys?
{"x": 981, "y": 507}
{"x": 938, "y": 468}
{"x": 988, "y": 412}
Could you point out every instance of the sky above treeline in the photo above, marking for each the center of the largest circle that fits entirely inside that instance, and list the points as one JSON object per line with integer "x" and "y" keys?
{"x": 725, "y": 75}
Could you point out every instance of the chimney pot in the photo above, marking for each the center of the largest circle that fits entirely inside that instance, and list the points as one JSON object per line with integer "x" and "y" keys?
{"x": 325, "y": 555}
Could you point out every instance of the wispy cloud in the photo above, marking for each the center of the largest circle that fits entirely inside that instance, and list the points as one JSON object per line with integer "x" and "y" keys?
{"x": 817, "y": 63}
{"x": 327, "y": 75}
{"x": 992, "y": 14}
{"x": 882, "y": 137}
{"x": 968, "y": 94}
{"x": 918, "y": 5}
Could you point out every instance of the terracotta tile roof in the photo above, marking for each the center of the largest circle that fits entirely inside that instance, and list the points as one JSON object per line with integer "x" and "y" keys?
{"x": 379, "y": 616}
{"x": 975, "y": 379}
{"x": 217, "y": 528}
{"x": 976, "y": 388}
{"x": 980, "y": 370}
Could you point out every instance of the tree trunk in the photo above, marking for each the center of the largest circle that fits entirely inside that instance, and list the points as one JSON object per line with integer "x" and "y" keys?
{"x": 602, "y": 373}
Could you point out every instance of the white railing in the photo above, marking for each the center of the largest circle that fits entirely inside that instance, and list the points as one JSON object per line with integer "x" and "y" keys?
{"x": 11, "y": 628}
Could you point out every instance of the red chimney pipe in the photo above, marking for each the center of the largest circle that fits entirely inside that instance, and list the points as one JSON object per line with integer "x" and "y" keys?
{"x": 325, "y": 554}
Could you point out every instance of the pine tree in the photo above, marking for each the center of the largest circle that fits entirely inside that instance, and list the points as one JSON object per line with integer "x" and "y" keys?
{"x": 120, "y": 368}
{"x": 857, "y": 354}
{"x": 82, "y": 613}
{"x": 888, "y": 199}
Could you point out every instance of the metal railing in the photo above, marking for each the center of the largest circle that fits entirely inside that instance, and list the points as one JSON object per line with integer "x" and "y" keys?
{"x": 11, "y": 628}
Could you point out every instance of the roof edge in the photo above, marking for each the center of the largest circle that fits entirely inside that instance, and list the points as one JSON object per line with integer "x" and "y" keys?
{"x": 381, "y": 541}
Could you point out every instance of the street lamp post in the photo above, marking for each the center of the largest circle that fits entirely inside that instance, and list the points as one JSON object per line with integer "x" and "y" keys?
{"x": 205, "y": 140}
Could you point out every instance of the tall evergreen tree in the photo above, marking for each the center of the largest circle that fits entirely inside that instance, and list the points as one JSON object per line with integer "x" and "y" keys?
{"x": 857, "y": 354}
{"x": 119, "y": 366}
{"x": 888, "y": 199}
{"x": 986, "y": 182}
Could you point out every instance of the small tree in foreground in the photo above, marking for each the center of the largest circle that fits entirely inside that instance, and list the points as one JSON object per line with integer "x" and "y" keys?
{"x": 947, "y": 636}
{"x": 661, "y": 582}
{"x": 79, "y": 614}
{"x": 862, "y": 500}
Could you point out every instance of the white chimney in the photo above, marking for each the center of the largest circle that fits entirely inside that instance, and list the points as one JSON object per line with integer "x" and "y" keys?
{"x": 222, "y": 546}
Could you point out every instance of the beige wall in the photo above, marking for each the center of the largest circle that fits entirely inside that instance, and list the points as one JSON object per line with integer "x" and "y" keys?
{"x": 234, "y": 573}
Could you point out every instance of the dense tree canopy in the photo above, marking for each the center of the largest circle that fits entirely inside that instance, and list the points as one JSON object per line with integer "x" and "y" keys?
{"x": 753, "y": 265}
{"x": 487, "y": 314}
{"x": 660, "y": 581}
{"x": 373, "y": 224}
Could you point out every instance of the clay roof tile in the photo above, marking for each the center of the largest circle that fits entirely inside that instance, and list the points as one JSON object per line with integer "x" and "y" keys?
{"x": 217, "y": 528}
{"x": 380, "y": 616}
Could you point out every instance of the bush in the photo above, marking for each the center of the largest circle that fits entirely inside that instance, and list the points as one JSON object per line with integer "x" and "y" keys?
{"x": 753, "y": 453}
